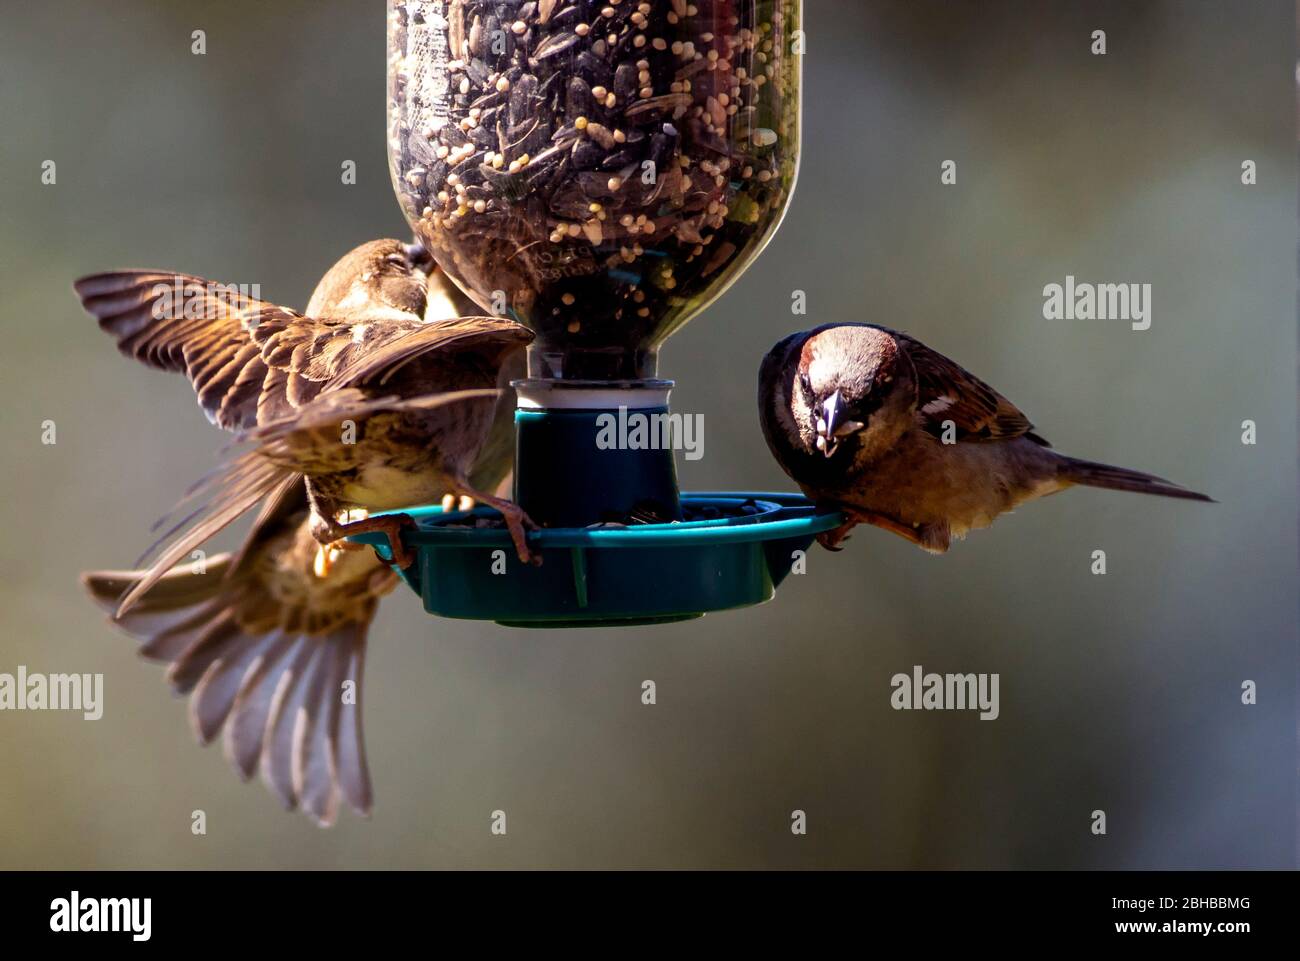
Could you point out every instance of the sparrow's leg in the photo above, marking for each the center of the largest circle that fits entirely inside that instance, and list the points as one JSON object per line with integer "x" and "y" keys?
{"x": 831, "y": 540}
{"x": 516, "y": 521}
{"x": 347, "y": 517}
{"x": 327, "y": 532}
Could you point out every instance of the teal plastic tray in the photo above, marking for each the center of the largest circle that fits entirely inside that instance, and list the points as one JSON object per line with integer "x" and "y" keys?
{"x": 640, "y": 574}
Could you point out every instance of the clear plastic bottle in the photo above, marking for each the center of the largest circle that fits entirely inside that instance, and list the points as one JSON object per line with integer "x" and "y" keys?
{"x": 600, "y": 171}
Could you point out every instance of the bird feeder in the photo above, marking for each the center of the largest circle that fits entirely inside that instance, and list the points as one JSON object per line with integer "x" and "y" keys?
{"x": 600, "y": 173}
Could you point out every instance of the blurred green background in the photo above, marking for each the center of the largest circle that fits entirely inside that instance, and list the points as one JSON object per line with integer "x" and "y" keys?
{"x": 1119, "y": 692}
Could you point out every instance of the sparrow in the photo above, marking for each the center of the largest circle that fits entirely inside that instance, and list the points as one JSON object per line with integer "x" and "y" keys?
{"x": 874, "y": 423}
{"x": 270, "y": 649}
{"x": 373, "y": 406}
{"x": 269, "y": 641}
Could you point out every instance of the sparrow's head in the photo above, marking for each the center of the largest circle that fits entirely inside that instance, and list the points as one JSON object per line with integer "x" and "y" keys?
{"x": 379, "y": 278}
{"x": 842, "y": 390}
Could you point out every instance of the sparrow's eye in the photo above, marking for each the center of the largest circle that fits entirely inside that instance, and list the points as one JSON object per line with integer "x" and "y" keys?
{"x": 805, "y": 385}
{"x": 399, "y": 259}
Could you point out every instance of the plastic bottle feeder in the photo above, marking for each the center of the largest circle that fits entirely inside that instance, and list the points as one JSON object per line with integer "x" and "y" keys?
{"x": 601, "y": 174}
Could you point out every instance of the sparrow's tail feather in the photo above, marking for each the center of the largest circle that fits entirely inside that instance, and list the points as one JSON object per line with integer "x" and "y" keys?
{"x": 1092, "y": 474}
{"x": 290, "y": 703}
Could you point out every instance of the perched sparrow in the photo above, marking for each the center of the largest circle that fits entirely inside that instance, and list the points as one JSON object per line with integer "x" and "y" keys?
{"x": 270, "y": 642}
{"x": 375, "y": 407}
{"x": 896, "y": 435}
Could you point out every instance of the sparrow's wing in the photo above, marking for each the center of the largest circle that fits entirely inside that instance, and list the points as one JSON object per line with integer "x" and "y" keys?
{"x": 331, "y": 376}
{"x": 189, "y": 325}
{"x": 344, "y": 355}
{"x": 946, "y": 391}
{"x": 309, "y": 359}
{"x": 266, "y": 649}
{"x": 281, "y": 511}
{"x": 308, "y": 440}
{"x": 224, "y": 495}
{"x": 251, "y": 362}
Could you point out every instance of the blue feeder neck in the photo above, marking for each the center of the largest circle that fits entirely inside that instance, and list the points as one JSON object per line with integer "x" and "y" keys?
{"x": 592, "y": 452}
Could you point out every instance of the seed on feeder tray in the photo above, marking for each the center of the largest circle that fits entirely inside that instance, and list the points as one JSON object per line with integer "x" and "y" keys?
{"x": 568, "y": 299}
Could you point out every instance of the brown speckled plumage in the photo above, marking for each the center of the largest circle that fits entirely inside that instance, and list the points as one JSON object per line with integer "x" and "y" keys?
{"x": 874, "y": 422}
{"x": 365, "y": 400}
{"x": 260, "y": 639}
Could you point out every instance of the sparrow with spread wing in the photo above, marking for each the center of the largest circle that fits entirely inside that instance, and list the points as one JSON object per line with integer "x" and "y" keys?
{"x": 875, "y": 423}
{"x": 269, "y": 642}
{"x": 375, "y": 407}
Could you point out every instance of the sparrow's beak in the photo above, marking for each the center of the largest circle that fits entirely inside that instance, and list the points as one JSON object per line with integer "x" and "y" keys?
{"x": 418, "y": 256}
{"x": 832, "y": 426}
{"x": 828, "y": 422}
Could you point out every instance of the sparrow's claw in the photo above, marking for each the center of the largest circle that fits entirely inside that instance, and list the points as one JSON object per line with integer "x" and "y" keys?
{"x": 834, "y": 540}
{"x": 884, "y": 523}
{"x": 517, "y": 522}
{"x": 388, "y": 524}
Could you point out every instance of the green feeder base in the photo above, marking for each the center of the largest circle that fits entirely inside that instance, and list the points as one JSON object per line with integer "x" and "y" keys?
{"x": 732, "y": 551}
